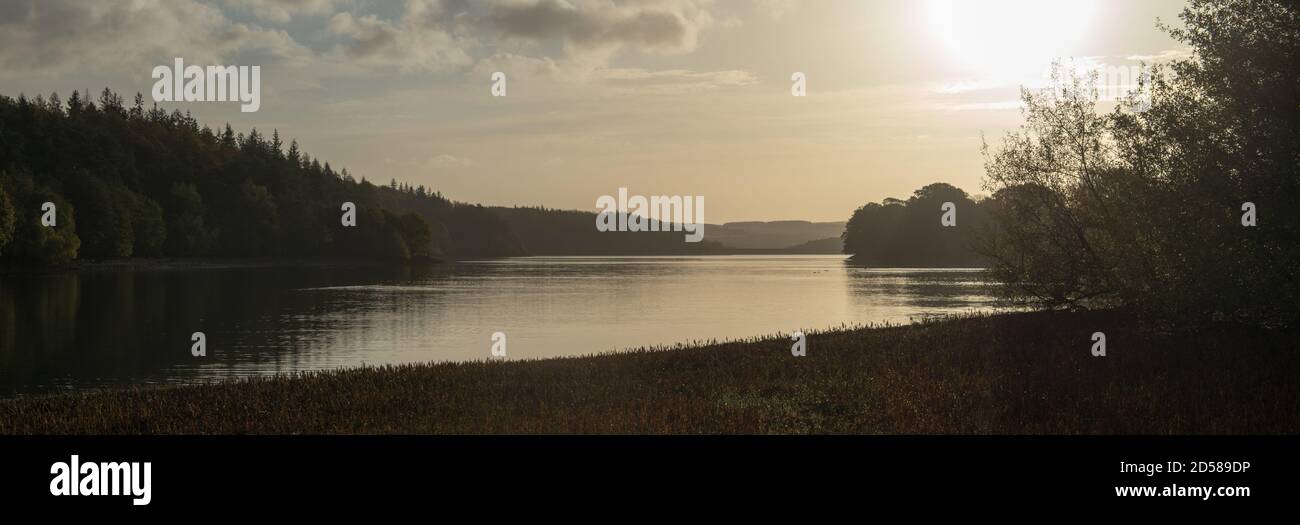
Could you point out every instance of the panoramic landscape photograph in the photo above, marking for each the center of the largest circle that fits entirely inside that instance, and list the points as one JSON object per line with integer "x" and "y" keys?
{"x": 685, "y": 217}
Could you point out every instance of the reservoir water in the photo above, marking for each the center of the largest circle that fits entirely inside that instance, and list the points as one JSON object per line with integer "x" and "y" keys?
{"x": 74, "y": 330}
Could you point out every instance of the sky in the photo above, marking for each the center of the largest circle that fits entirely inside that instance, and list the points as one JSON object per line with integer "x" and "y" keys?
{"x": 663, "y": 97}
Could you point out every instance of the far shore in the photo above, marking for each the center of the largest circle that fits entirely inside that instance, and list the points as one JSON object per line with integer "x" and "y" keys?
{"x": 221, "y": 263}
{"x": 211, "y": 263}
{"x": 1017, "y": 373}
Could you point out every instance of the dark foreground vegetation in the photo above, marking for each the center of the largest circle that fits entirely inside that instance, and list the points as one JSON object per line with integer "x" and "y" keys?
{"x": 1016, "y": 373}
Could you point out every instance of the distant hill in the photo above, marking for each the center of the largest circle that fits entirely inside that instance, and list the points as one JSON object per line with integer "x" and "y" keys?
{"x": 573, "y": 232}
{"x": 544, "y": 231}
{"x": 773, "y": 234}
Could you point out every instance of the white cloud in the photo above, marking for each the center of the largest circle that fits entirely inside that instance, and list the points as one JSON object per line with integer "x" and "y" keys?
{"x": 447, "y": 160}
{"x": 964, "y": 86}
{"x": 1163, "y": 56}
{"x": 1000, "y": 105}
{"x": 673, "y": 81}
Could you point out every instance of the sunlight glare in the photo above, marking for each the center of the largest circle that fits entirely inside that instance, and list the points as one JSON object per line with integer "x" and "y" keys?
{"x": 1009, "y": 39}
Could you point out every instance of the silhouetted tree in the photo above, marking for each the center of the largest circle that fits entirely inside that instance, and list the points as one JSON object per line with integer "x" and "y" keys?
{"x": 898, "y": 233}
{"x": 1143, "y": 206}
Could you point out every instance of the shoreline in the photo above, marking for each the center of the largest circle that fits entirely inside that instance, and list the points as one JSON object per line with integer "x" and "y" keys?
{"x": 226, "y": 263}
{"x": 1010, "y": 373}
{"x": 211, "y": 263}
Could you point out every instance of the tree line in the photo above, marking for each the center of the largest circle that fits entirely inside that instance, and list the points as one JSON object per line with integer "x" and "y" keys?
{"x": 127, "y": 180}
{"x": 137, "y": 181}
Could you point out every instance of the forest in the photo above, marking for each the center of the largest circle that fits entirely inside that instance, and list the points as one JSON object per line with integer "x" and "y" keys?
{"x": 134, "y": 181}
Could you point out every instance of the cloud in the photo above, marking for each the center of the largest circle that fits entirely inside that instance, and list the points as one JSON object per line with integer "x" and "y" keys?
{"x": 673, "y": 81}
{"x": 441, "y": 35}
{"x": 1167, "y": 55}
{"x": 282, "y": 11}
{"x": 420, "y": 40}
{"x": 776, "y": 9}
{"x": 447, "y": 160}
{"x": 601, "y": 27}
{"x": 1000, "y": 105}
{"x": 964, "y": 86}
{"x": 640, "y": 81}
{"x": 731, "y": 22}
{"x": 570, "y": 38}
{"x": 51, "y": 36}
{"x": 589, "y": 32}
{"x": 518, "y": 66}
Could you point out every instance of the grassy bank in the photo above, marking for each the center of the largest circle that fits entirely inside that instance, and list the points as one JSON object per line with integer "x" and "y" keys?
{"x": 1016, "y": 373}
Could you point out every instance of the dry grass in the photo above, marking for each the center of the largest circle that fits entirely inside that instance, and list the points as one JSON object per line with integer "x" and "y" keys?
{"x": 1015, "y": 373}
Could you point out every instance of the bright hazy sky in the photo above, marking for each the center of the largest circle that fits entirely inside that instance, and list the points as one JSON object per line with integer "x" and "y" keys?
{"x": 663, "y": 97}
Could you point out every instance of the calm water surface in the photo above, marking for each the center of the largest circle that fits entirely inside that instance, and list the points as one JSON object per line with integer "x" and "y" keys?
{"x": 90, "y": 329}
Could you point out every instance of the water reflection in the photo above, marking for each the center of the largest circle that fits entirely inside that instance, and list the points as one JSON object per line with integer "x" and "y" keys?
{"x": 927, "y": 292}
{"x": 84, "y": 330}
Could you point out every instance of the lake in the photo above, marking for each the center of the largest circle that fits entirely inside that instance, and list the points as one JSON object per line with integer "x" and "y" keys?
{"x": 76, "y": 330}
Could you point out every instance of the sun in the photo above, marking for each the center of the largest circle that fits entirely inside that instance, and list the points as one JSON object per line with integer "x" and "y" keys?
{"x": 1009, "y": 39}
